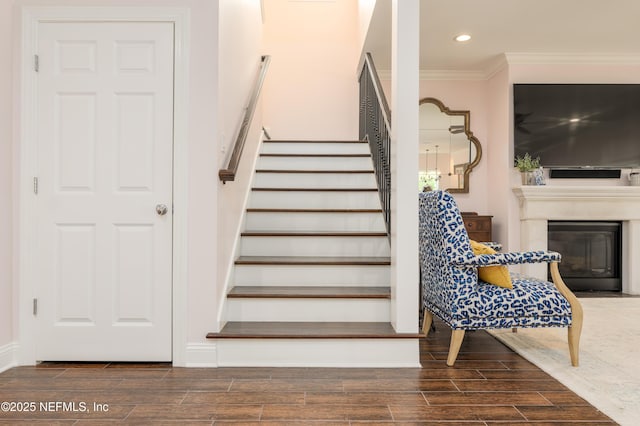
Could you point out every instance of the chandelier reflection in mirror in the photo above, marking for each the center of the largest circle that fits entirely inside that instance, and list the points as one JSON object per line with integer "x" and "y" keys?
{"x": 429, "y": 179}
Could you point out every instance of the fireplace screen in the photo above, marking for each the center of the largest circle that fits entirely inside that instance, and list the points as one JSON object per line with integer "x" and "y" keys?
{"x": 591, "y": 254}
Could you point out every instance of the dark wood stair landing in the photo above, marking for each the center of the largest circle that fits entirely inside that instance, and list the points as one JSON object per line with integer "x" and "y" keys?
{"x": 310, "y": 330}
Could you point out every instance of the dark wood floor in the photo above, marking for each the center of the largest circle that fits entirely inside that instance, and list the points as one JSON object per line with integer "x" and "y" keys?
{"x": 489, "y": 385}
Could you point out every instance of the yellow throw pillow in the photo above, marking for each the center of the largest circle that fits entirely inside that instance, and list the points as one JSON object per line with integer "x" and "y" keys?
{"x": 496, "y": 274}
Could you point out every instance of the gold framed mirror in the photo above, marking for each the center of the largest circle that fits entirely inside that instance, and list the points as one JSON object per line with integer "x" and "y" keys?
{"x": 448, "y": 149}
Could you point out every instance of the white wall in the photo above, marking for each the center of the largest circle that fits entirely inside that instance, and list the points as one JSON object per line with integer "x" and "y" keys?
{"x": 312, "y": 90}
{"x": 6, "y": 117}
{"x": 240, "y": 50}
{"x": 500, "y": 160}
{"x": 365, "y": 12}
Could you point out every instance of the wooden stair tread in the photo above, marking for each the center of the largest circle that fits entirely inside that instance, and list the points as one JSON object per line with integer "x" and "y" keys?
{"x": 311, "y": 260}
{"x": 310, "y": 330}
{"x": 315, "y": 171}
{"x": 311, "y": 141}
{"x": 270, "y": 210}
{"x": 308, "y": 292}
{"x": 312, "y": 234}
{"x": 268, "y": 154}
{"x": 318, "y": 189}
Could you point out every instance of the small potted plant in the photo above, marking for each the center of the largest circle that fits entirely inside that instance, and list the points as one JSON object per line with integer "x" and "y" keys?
{"x": 527, "y": 165}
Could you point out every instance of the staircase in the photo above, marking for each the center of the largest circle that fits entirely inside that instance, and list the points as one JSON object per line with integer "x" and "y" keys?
{"x": 311, "y": 284}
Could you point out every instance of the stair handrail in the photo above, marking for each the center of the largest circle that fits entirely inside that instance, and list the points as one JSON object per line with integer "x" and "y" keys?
{"x": 375, "y": 127}
{"x": 229, "y": 174}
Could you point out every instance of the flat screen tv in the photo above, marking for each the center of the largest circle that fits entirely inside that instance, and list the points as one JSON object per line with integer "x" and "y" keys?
{"x": 578, "y": 125}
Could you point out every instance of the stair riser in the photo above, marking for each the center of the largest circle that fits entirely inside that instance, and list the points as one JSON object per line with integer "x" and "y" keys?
{"x": 314, "y": 180}
{"x": 314, "y": 148}
{"x": 315, "y": 310}
{"x": 314, "y": 163}
{"x": 267, "y": 221}
{"x": 355, "y": 353}
{"x": 314, "y": 200}
{"x": 314, "y": 246}
{"x": 299, "y": 275}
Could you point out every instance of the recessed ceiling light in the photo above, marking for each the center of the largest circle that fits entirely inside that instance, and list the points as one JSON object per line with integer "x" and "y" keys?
{"x": 463, "y": 37}
{"x": 574, "y": 120}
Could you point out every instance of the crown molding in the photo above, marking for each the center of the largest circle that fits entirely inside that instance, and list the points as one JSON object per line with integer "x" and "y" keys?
{"x": 452, "y": 75}
{"x": 516, "y": 58}
{"x": 441, "y": 75}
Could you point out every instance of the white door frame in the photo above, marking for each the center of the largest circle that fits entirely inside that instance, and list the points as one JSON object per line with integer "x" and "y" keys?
{"x": 26, "y": 212}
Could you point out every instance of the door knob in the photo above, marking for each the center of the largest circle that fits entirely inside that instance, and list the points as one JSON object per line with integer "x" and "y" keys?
{"x": 161, "y": 209}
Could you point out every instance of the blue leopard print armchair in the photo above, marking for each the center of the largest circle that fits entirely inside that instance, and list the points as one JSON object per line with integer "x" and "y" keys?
{"x": 452, "y": 291}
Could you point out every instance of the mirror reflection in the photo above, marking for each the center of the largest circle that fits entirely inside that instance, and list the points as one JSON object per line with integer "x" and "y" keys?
{"x": 448, "y": 149}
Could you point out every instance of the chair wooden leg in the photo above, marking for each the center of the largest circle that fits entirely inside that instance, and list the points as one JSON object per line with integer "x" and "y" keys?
{"x": 574, "y": 332}
{"x": 454, "y": 347}
{"x": 576, "y": 314}
{"x": 426, "y": 322}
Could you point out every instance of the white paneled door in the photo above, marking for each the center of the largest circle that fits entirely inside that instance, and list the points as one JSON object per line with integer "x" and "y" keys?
{"x": 104, "y": 191}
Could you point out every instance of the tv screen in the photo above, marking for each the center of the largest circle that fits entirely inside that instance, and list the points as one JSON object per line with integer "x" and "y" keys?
{"x": 578, "y": 125}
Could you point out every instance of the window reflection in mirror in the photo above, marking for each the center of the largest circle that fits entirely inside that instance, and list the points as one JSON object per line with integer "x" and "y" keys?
{"x": 448, "y": 149}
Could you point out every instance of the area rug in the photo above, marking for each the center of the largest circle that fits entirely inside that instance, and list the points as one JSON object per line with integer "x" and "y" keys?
{"x": 609, "y": 372}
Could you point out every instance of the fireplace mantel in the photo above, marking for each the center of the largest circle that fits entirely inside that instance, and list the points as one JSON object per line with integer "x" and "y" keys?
{"x": 540, "y": 204}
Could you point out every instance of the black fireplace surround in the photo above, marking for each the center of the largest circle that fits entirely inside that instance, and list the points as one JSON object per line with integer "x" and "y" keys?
{"x": 591, "y": 254}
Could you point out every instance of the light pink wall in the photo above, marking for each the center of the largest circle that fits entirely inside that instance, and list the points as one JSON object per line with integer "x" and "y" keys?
{"x": 467, "y": 95}
{"x": 6, "y": 117}
{"x": 312, "y": 91}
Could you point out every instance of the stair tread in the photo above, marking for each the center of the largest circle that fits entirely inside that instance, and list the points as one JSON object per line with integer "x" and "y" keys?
{"x": 364, "y": 171}
{"x": 257, "y": 233}
{"x": 311, "y": 141}
{"x": 309, "y": 292}
{"x": 271, "y": 210}
{"x": 318, "y": 189}
{"x": 309, "y": 330}
{"x": 269, "y": 154}
{"x": 312, "y": 260}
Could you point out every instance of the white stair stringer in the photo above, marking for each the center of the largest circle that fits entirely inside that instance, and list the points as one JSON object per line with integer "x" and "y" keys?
{"x": 314, "y": 253}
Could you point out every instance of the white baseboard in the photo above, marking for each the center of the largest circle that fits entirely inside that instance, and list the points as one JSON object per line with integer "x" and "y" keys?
{"x": 201, "y": 355}
{"x": 8, "y": 356}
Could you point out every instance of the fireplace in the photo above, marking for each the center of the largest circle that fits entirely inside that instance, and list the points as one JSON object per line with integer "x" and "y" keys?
{"x": 540, "y": 205}
{"x": 591, "y": 254}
